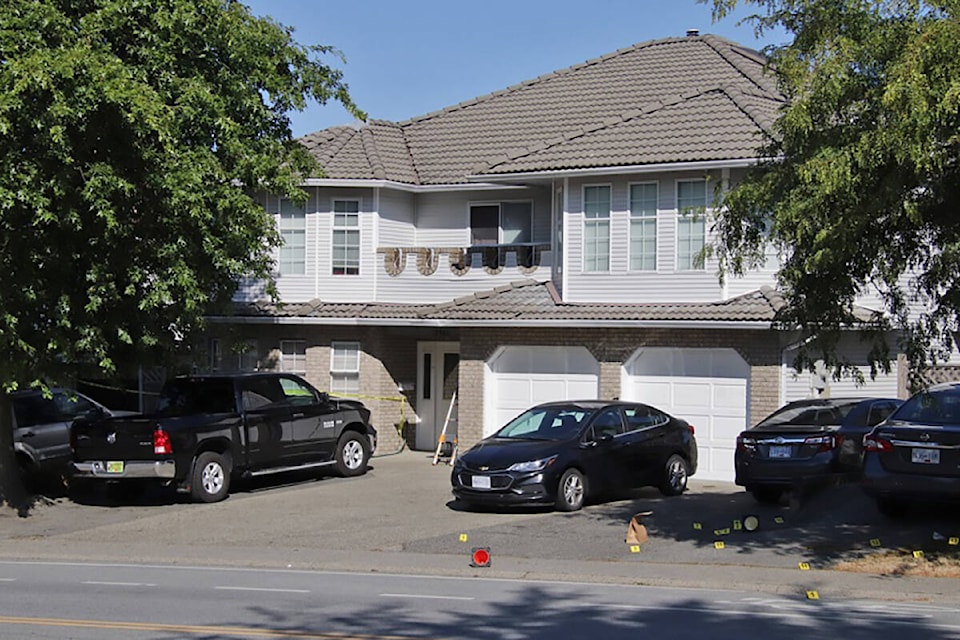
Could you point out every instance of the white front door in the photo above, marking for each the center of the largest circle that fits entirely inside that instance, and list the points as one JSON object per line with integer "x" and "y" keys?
{"x": 437, "y": 367}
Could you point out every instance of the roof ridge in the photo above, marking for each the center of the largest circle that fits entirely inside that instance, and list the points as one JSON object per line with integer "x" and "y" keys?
{"x": 523, "y": 84}
{"x": 372, "y": 152}
{"x": 723, "y": 47}
{"x": 609, "y": 122}
{"x": 735, "y": 94}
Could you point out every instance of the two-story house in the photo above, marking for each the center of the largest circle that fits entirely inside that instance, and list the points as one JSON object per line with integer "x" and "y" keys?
{"x": 541, "y": 242}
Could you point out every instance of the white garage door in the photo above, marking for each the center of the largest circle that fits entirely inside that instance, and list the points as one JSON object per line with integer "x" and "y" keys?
{"x": 519, "y": 377}
{"x": 706, "y": 387}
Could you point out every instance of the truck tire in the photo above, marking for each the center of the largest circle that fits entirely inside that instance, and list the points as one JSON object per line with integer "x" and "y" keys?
{"x": 352, "y": 454}
{"x": 211, "y": 478}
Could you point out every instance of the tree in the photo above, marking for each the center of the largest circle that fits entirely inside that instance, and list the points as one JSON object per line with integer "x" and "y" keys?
{"x": 860, "y": 183}
{"x": 134, "y": 133}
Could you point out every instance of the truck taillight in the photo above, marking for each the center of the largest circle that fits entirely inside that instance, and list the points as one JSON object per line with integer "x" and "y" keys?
{"x": 876, "y": 444}
{"x": 161, "y": 442}
{"x": 692, "y": 430}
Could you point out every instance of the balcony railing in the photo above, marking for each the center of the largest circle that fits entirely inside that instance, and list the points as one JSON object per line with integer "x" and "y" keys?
{"x": 492, "y": 257}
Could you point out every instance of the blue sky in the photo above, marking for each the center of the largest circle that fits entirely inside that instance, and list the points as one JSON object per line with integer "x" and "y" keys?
{"x": 405, "y": 58}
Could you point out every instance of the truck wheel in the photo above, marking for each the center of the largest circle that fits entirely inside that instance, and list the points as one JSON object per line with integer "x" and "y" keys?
{"x": 352, "y": 454}
{"x": 211, "y": 478}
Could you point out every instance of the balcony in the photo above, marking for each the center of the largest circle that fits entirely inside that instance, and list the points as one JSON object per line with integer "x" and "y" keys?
{"x": 492, "y": 258}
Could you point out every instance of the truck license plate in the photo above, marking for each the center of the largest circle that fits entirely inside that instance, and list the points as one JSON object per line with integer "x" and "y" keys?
{"x": 115, "y": 466}
{"x": 926, "y": 456}
{"x": 481, "y": 482}
{"x": 780, "y": 451}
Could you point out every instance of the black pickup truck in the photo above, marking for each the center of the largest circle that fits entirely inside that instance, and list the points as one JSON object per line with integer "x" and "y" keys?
{"x": 208, "y": 429}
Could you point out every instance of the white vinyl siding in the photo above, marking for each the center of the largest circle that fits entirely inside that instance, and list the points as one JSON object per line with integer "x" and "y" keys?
{"x": 345, "y": 367}
{"x": 293, "y": 230}
{"x": 643, "y": 226}
{"x": 691, "y": 223}
{"x": 596, "y": 228}
{"x": 346, "y": 237}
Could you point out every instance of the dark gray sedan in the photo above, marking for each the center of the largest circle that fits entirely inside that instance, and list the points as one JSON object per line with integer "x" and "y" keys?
{"x": 806, "y": 442}
{"x": 915, "y": 453}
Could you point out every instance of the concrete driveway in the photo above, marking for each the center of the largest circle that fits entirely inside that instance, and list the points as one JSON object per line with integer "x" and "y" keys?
{"x": 401, "y": 518}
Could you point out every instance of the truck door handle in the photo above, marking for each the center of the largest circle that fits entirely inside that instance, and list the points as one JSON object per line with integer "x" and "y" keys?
{"x": 28, "y": 434}
{"x": 299, "y": 415}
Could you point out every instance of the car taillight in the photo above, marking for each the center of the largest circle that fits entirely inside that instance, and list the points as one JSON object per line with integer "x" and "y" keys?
{"x": 692, "y": 430}
{"x": 876, "y": 444}
{"x": 745, "y": 443}
{"x": 161, "y": 442}
{"x": 822, "y": 443}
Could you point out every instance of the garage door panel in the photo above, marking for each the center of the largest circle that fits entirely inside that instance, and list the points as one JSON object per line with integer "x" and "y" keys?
{"x": 523, "y": 376}
{"x": 714, "y": 400}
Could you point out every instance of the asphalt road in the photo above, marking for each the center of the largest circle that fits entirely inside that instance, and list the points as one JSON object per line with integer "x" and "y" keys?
{"x": 59, "y": 600}
{"x": 400, "y": 518}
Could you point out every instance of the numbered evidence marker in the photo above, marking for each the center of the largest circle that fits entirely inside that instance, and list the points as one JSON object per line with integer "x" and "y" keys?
{"x": 698, "y": 526}
{"x": 634, "y": 548}
{"x": 719, "y": 544}
{"x": 804, "y": 566}
{"x": 918, "y": 554}
{"x": 463, "y": 537}
{"x": 875, "y": 542}
{"x": 813, "y": 595}
{"x": 953, "y": 541}
{"x": 778, "y": 519}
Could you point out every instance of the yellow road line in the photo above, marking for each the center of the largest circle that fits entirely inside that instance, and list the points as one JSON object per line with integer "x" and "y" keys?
{"x": 192, "y": 629}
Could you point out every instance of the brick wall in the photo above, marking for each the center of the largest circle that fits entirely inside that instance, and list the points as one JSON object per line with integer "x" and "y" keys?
{"x": 612, "y": 348}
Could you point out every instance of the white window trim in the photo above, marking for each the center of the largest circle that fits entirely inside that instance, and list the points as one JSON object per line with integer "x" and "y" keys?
{"x": 334, "y": 228}
{"x": 280, "y": 230}
{"x": 679, "y": 216}
{"x": 499, "y": 204}
{"x": 583, "y": 227}
{"x": 656, "y": 227}
{"x": 353, "y": 369}
{"x": 295, "y": 359}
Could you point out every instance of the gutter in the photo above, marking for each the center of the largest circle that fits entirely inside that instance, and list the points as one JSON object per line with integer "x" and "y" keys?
{"x": 405, "y": 186}
{"x": 446, "y": 323}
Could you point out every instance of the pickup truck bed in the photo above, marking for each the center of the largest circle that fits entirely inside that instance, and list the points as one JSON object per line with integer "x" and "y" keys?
{"x": 209, "y": 429}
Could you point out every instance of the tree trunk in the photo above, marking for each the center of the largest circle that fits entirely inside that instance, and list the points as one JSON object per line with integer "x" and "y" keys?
{"x": 12, "y": 491}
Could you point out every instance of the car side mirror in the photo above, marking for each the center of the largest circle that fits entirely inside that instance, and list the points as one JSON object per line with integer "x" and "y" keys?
{"x": 603, "y": 438}
{"x": 324, "y": 397}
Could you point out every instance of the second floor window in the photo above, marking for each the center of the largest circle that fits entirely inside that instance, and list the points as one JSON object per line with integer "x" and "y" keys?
{"x": 691, "y": 223}
{"x": 346, "y": 237}
{"x": 345, "y": 367}
{"x": 596, "y": 232}
{"x": 643, "y": 227}
{"x": 501, "y": 223}
{"x": 293, "y": 230}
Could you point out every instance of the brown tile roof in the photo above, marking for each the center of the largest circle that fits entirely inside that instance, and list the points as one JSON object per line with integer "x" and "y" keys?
{"x": 528, "y": 300}
{"x": 670, "y": 100}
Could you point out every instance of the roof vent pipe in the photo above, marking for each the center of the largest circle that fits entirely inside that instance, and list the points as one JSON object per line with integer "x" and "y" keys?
{"x": 693, "y": 32}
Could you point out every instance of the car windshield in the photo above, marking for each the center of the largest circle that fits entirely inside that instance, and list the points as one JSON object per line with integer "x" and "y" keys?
{"x": 546, "y": 423}
{"x": 941, "y": 406}
{"x": 808, "y": 414}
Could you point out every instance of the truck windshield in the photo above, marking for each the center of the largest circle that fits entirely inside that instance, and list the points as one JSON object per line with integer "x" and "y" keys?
{"x": 185, "y": 397}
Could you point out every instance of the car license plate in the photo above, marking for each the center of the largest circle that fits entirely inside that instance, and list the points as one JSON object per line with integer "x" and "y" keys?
{"x": 481, "y": 482}
{"x": 781, "y": 451}
{"x": 115, "y": 466}
{"x": 926, "y": 456}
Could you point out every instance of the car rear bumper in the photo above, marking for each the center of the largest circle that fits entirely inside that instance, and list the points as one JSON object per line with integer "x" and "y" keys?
{"x": 878, "y": 482}
{"x": 786, "y": 472}
{"x": 163, "y": 469}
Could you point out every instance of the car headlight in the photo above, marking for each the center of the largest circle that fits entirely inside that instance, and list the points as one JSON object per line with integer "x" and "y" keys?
{"x": 532, "y": 465}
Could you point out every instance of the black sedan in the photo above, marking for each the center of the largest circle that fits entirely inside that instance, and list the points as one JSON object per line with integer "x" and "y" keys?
{"x": 560, "y": 453}
{"x": 805, "y": 442}
{"x": 915, "y": 454}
